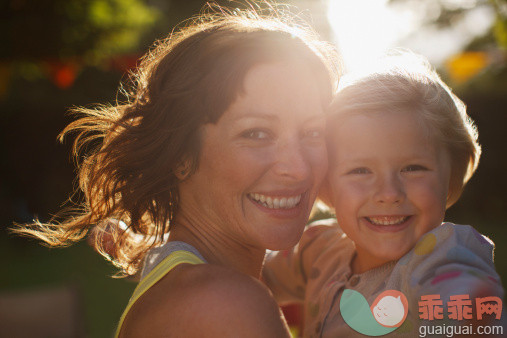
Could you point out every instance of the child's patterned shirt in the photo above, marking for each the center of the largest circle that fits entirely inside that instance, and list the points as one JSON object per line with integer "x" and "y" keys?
{"x": 451, "y": 260}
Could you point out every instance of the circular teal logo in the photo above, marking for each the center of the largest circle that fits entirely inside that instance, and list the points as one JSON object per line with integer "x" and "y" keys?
{"x": 386, "y": 314}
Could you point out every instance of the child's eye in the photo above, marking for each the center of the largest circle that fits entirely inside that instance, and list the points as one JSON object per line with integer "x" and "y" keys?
{"x": 414, "y": 167}
{"x": 359, "y": 171}
{"x": 256, "y": 134}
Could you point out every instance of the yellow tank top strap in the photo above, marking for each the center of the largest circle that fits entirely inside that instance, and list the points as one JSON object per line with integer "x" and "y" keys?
{"x": 171, "y": 261}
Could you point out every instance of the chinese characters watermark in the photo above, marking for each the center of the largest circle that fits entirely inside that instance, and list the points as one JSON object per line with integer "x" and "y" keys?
{"x": 459, "y": 307}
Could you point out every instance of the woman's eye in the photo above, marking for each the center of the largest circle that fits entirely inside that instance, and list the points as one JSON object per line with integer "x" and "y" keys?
{"x": 414, "y": 167}
{"x": 359, "y": 171}
{"x": 256, "y": 134}
{"x": 314, "y": 130}
{"x": 315, "y": 133}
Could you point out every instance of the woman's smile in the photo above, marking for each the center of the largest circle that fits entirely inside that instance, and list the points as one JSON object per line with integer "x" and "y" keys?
{"x": 286, "y": 206}
{"x": 272, "y": 202}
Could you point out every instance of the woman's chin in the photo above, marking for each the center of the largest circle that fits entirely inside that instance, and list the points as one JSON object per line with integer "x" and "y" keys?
{"x": 284, "y": 239}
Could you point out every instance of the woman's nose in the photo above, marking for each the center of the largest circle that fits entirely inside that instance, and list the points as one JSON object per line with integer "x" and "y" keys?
{"x": 292, "y": 162}
{"x": 390, "y": 189}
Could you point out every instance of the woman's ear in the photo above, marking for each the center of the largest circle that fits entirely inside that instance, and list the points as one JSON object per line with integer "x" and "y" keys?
{"x": 183, "y": 170}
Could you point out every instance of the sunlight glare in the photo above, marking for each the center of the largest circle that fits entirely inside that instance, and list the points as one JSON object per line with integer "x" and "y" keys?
{"x": 365, "y": 29}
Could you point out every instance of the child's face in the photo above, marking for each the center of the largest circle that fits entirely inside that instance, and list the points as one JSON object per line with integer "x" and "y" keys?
{"x": 389, "y": 184}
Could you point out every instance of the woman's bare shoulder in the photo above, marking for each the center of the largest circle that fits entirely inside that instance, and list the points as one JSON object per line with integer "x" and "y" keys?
{"x": 206, "y": 300}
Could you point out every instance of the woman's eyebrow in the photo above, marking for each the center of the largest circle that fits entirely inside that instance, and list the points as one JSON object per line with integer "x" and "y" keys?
{"x": 275, "y": 117}
{"x": 257, "y": 115}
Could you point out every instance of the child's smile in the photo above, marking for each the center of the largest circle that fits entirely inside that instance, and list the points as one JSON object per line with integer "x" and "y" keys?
{"x": 389, "y": 182}
{"x": 387, "y": 223}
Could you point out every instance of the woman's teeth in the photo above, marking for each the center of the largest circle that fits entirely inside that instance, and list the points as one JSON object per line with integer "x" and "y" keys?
{"x": 276, "y": 202}
{"x": 387, "y": 220}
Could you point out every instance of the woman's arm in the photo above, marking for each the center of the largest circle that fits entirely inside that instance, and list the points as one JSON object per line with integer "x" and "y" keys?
{"x": 206, "y": 301}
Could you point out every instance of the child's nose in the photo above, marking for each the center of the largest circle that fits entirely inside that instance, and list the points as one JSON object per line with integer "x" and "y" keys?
{"x": 390, "y": 190}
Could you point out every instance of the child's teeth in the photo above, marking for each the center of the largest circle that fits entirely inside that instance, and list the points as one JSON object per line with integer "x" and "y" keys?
{"x": 387, "y": 220}
{"x": 276, "y": 203}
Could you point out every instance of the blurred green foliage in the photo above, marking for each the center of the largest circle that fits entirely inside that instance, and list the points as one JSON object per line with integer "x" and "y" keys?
{"x": 87, "y": 29}
{"x": 500, "y": 26}
{"x": 446, "y": 13}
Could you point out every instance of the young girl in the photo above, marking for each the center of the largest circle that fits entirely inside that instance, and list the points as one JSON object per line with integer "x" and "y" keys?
{"x": 401, "y": 149}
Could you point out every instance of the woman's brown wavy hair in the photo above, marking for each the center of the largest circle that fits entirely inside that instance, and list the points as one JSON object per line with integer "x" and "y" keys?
{"x": 185, "y": 81}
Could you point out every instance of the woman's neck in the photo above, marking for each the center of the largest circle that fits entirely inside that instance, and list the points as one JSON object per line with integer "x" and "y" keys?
{"x": 216, "y": 247}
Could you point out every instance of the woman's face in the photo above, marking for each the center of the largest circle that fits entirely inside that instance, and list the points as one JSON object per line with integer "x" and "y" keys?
{"x": 262, "y": 163}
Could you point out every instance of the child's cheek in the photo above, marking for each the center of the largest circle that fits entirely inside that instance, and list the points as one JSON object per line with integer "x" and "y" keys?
{"x": 430, "y": 197}
{"x": 348, "y": 196}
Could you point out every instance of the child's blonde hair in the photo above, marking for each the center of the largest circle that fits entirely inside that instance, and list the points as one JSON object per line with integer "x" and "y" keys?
{"x": 403, "y": 82}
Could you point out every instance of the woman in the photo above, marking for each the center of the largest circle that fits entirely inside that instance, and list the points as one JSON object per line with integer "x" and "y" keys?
{"x": 222, "y": 143}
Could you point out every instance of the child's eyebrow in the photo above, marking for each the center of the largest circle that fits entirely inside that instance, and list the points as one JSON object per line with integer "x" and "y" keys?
{"x": 354, "y": 157}
{"x": 352, "y": 162}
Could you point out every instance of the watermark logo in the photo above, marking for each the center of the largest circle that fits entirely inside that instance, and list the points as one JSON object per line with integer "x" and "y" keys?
{"x": 459, "y": 307}
{"x": 387, "y": 312}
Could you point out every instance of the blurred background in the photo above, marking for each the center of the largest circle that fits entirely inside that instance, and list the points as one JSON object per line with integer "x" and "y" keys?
{"x": 56, "y": 54}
